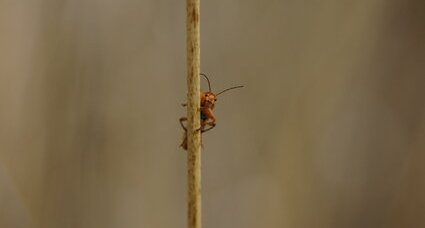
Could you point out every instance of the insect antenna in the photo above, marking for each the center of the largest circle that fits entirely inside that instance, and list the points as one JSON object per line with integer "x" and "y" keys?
{"x": 235, "y": 87}
{"x": 209, "y": 85}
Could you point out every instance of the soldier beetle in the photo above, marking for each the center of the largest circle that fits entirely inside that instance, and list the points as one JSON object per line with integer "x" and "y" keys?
{"x": 207, "y": 118}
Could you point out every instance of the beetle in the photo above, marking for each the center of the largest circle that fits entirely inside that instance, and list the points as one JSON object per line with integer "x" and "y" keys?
{"x": 207, "y": 118}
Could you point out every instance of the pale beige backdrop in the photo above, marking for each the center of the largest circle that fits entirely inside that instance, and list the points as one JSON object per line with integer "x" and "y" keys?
{"x": 329, "y": 131}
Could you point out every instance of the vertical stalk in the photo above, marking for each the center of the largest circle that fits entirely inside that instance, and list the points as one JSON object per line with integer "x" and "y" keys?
{"x": 193, "y": 114}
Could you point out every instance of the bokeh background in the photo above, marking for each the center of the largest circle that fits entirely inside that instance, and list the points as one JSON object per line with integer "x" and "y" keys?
{"x": 328, "y": 132}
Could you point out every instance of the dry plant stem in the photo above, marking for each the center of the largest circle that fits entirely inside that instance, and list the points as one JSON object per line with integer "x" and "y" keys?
{"x": 193, "y": 113}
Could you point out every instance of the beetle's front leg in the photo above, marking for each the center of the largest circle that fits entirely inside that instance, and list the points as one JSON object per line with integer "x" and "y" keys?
{"x": 210, "y": 117}
{"x": 207, "y": 129}
{"x": 210, "y": 121}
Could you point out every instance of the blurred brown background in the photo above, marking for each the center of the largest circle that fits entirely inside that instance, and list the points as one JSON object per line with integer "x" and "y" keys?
{"x": 329, "y": 130}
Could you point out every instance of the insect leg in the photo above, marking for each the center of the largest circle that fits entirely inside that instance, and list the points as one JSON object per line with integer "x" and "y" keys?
{"x": 205, "y": 130}
{"x": 181, "y": 123}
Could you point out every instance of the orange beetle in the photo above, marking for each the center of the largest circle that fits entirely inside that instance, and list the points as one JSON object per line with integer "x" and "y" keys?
{"x": 207, "y": 117}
